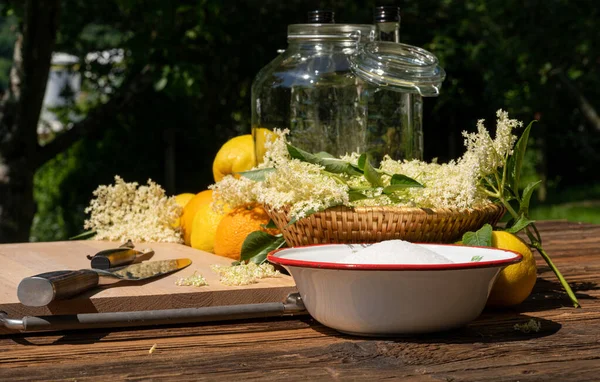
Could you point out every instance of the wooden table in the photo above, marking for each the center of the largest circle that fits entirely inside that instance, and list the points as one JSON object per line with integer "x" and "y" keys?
{"x": 566, "y": 348}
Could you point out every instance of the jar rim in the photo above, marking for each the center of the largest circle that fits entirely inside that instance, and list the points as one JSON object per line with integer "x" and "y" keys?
{"x": 402, "y": 67}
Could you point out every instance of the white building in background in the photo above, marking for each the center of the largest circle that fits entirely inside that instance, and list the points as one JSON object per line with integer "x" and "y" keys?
{"x": 63, "y": 79}
{"x": 64, "y": 86}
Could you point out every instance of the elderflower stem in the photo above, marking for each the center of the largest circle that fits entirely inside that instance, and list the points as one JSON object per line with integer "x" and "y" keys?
{"x": 509, "y": 208}
{"x": 562, "y": 280}
{"x": 499, "y": 182}
{"x": 538, "y": 246}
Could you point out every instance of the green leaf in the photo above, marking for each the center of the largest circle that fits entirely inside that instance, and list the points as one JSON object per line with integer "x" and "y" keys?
{"x": 338, "y": 166}
{"x": 356, "y": 195}
{"x": 522, "y": 222}
{"x": 400, "y": 182}
{"x": 302, "y": 155}
{"x": 396, "y": 199}
{"x": 515, "y": 162}
{"x": 334, "y": 165}
{"x": 361, "y": 161}
{"x": 256, "y": 175}
{"x": 527, "y": 192}
{"x": 480, "y": 238}
{"x": 258, "y": 244}
{"x": 372, "y": 175}
{"x": 406, "y": 181}
{"x": 84, "y": 236}
{"x": 270, "y": 225}
{"x": 323, "y": 154}
{"x": 476, "y": 258}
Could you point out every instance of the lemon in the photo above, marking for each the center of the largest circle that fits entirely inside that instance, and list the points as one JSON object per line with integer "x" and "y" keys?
{"x": 181, "y": 200}
{"x": 236, "y": 155}
{"x": 515, "y": 282}
{"x": 189, "y": 212}
{"x": 261, "y": 136}
{"x": 204, "y": 227}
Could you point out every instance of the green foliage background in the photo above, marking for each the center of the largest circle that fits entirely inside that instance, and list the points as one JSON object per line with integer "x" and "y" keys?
{"x": 205, "y": 54}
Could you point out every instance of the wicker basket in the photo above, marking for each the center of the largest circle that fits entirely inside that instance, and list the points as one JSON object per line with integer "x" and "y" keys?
{"x": 374, "y": 224}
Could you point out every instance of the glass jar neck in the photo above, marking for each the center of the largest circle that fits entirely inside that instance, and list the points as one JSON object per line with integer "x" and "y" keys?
{"x": 324, "y": 46}
{"x": 334, "y": 34}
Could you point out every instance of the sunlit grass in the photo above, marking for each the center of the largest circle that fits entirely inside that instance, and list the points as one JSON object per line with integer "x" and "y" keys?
{"x": 587, "y": 211}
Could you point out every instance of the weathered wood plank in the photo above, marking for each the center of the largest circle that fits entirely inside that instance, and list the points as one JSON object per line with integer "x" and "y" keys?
{"x": 567, "y": 348}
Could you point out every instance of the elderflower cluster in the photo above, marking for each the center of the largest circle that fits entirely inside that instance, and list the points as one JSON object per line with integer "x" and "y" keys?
{"x": 244, "y": 274}
{"x": 124, "y": 211}
{"x": 297, "y": 185}
{"x": 304, "y": 187}
{"x": 193, "y": 280}
{"x": 486, "y": 153}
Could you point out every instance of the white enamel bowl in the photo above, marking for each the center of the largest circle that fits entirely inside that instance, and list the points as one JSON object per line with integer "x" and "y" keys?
{"x": 379, "y": 299}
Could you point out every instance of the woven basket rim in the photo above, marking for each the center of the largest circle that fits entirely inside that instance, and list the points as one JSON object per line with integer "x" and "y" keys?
{"x": 404, "y": 209}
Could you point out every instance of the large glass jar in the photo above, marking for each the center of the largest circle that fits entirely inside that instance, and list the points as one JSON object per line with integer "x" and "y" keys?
{"x": 339, "y": 91}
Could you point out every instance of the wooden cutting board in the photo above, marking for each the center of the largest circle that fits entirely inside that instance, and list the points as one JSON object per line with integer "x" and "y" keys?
{"x": 18, "y": 261}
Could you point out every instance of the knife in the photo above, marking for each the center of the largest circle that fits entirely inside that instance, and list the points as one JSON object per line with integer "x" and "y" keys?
{"x": 40, "y": 290}
{"x": 111, "y": 258}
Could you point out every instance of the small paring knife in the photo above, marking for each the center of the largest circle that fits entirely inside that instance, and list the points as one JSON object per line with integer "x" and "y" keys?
{"x": 116, "y": 257}
{"x": 42, "y": 289}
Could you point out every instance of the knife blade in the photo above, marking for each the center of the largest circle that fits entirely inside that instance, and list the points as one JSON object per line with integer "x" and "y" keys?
{"x": 42, "y": 289}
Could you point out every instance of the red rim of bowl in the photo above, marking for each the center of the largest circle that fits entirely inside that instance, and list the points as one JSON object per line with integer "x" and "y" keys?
{"x": 394, "y": 267}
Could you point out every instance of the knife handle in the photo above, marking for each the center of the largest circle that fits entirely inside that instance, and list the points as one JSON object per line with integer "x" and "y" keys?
{"x": 40, "y": 290}
{"x": 114, "y": 258}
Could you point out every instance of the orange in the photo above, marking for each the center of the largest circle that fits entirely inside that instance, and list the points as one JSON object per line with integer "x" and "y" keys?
{"x": 236, "y": 226}
{"x": 515, "y": 282}
{"x": 189, "y": 212}
{"x": 236, "y": 155}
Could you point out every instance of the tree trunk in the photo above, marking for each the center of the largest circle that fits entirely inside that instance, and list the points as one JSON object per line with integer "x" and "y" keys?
{"x": 19, "y": 114}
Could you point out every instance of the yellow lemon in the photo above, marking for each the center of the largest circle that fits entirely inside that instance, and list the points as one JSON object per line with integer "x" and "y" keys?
{"x": 205, "y": 226}
{"x": 515, "y": 282}
{"x": 236, "y": 155}
{"x": 261, "y": 136}
{"x": 189, "y": 212}
{"x": 181, "y": 200}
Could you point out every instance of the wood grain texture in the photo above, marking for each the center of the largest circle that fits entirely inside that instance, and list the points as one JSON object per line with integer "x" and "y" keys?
{"x": 22, "y": 260}
{"x": 567, "y": 348}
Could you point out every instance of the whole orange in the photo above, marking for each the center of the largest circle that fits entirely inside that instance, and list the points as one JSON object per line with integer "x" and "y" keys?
{"x": 189, "y": 212}
{"x": 236, "y": 226}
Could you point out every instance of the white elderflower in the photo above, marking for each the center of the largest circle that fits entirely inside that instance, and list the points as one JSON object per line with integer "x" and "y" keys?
{"x": 300, "y": 186}
{"x": 124, "y": 211}
{"x": 193, "y": 280}
{"x": 233, "y": 191}
{"x": 304, "y": 187}
{"x": 487, "y": 152}
{"x": 276, "y": 151}
{"x": 244, "y": 274}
